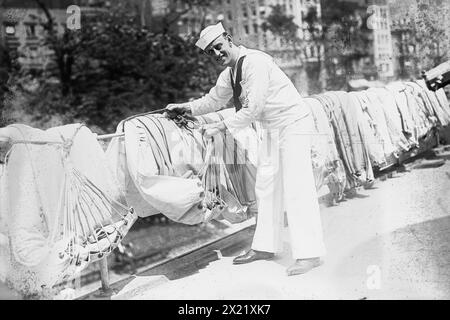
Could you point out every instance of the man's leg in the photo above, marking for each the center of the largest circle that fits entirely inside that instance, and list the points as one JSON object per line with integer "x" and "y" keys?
{"x": 269, "y": 193}
{"x": 300, "y": 195}
{"x": 268, "y": 189}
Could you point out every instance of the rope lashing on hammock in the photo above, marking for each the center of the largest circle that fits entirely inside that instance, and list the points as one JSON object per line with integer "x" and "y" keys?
{"x": 186, "y": 122}
{"x": 214, "y": 174}
{"x": 140, "y": 115}
{"x": 90, "y": 222}
{"x": 182, "y": 121}
{"x": 218, "y": 200}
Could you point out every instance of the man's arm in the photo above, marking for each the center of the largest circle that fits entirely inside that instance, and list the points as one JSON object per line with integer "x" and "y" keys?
{"x": 256, "y": 76}
{"x": 216, "y": 99}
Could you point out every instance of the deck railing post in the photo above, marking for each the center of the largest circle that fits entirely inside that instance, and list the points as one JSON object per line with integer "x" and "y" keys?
{"x": 105, "y": 290}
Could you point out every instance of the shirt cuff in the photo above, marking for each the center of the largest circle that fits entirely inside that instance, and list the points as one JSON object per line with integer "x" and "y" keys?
{"x": 194, "y": 110}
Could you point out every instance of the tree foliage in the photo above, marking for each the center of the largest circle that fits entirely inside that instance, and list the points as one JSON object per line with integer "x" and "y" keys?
{"x": 281, "y": 24}
{"x": 429, "y": 35}
{"x": 113, "y": 67}
{"x": 3, "y": 80}
{"x": 422, "y": 30}
{"x": 340, "y": 30}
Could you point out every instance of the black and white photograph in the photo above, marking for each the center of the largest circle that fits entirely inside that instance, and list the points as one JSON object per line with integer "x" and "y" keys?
{"x": 239, "y": 152}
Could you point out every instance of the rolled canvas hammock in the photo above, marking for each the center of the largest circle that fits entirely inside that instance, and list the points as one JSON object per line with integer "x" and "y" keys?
{"x": 164, "y": 168}
{"x": 60, "y": 208}
{"x": 221, "y": 199}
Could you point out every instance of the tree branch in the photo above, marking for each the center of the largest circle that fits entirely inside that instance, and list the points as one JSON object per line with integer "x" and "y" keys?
{"x": 47, "y": 13}
{"x": 190, "y": 4}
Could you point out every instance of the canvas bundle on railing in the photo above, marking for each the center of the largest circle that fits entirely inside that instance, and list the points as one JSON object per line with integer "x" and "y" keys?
{"x": 60, "y": 208}
{"x": 161, "y": 168}
{"x": 372, "y": 128}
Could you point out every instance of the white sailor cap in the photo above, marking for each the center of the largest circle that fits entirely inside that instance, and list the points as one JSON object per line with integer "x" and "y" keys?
{"x": 209, "y": 34}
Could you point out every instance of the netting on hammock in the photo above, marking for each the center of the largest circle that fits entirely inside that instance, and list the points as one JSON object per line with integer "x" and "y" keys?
{"x": 62, "y": 208}
{"x": 239, "y": 153}
{"x": 93, "y": 222}
{"x": 160, "y": 164}
{"x": 221, "y": 200}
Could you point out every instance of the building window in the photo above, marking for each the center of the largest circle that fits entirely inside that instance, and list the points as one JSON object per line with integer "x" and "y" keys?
{"x": 254, "y": 11}
{"x": 230, "y": 17}
{"x": 10, "y": 30}
{"x": 33, "y": 52}
{"x": 246, "y": 29}
{"x": 255, "y": 28}
{"x": 30, "y": 30}
{"x": 244, "y": 11}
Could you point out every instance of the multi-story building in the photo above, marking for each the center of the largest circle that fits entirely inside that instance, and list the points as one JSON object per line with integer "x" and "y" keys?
{"x": 406, "y": 22}
{"x": 446, "y": 22}
{"x": 403, "y": 50}
{"x": 381, "y": 55}
{"x": 383, "y": 50}
{"x": 244, "y": 19}
{"x": 22, "y": 30}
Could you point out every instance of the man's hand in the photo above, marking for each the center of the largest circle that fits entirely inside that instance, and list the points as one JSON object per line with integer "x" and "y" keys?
{"x": 175, "y": 109}
{"x": 212, "y": 129}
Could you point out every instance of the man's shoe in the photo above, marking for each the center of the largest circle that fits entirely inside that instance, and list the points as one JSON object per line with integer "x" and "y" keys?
{"x": 303, "y": 265}
{"x": 253, "y": 255}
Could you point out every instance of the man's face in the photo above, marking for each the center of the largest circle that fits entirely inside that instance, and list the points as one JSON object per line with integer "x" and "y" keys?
{"x": 221, "y": 50}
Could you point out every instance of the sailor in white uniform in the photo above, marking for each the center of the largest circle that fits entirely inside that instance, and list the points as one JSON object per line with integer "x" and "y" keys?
{"x": 262, "y": 93}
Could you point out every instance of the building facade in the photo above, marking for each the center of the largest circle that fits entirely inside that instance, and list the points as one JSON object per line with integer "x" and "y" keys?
{"x": 380, "y": 62}
{"x": 244, "y": 19}
{"x": 409, "y": 24}
{"x": 22, "y": 30}
{"x": 382, "y": 41}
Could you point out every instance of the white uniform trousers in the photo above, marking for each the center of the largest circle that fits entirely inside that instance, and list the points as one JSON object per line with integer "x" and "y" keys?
{"x": 285, "y": 182}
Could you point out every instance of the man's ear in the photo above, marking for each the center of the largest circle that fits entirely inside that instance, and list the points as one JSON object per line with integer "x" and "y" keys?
{"x": 229, "y": 39}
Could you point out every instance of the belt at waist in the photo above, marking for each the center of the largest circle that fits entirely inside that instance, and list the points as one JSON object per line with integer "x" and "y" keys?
{"x": 281, "y": 121}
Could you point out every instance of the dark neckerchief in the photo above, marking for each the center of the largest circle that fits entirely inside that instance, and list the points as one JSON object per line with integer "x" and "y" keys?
{"x": 236, "y": 85}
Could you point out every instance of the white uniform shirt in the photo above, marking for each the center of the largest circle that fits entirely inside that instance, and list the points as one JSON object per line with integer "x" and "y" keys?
{"x": 268, "y": 95}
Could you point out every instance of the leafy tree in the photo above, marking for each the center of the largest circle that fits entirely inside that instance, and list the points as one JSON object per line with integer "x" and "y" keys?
{"x": 316, "y": 38}
{"x": 7, "y": 65}
{"x": 432, "y": 50}
{"x": 345, "y": 37}
{"x": 282, "y": 25}
{"x": 429, "y": 35}
{"x": 177, "y": 9}
{"x": 423, "y": 42}
{"x": 340, "y": 30}
{"x": 113, "y": 68}
{"x": 63, "y": 46}
{"x": 122, "y": 69}
{"x": 3, "y": 81}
